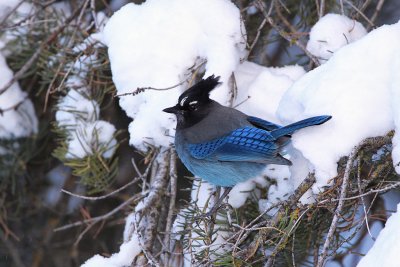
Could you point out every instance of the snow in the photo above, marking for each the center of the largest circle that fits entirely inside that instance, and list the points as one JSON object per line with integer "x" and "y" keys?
{"x": 86, "y": 133}
{"x": 129, "y": 249}
{"x": 264, "y": 86}
{"x": 332, "y": 32}
{"x": 359, "y": 91}
{"x": 124, "y": 257}
{"x": 149, "y": 46}
{"x": 160, "y": 54}
{"x": 77, "y": 113}
{"x": 386, "y": 250}
{"x": 20, "y": 122}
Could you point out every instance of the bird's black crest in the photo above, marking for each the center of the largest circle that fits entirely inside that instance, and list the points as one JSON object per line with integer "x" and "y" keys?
{"x": 200, "y": 91}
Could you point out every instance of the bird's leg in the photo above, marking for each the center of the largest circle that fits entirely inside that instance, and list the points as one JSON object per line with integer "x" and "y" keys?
{"x": 217, "y": 205}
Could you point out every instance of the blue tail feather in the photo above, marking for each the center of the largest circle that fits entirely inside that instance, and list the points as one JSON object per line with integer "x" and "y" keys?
{"x": 291, "y": 128}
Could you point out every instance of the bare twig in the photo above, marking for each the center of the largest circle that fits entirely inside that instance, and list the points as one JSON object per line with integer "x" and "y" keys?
{"x": 335, "y": 220}
{"x": 142, "y": 89}
{"x": 97, "y": 219}
{"x": 259, "y": 29}
{"x": 135, "y": 180}
{"x": 370, "y": 22}
{"x": 321, "y": 9}
{"x": 377, "y": 10}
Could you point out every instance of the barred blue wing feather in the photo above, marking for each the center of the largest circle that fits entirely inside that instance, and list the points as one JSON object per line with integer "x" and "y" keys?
{"x": 248, "y": 144}
{"x": 291, "y": 128}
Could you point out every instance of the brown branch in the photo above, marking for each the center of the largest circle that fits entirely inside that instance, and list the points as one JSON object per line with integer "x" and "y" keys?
{"x": 173, "y": 189}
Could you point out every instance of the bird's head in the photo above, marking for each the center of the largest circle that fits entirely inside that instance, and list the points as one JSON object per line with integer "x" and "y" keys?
{"x": 194, "y": 104}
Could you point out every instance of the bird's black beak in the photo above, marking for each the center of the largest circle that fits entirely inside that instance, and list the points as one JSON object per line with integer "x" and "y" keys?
{"x": 175, "y": 109}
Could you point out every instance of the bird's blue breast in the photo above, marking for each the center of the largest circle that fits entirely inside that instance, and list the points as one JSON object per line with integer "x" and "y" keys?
{"x": 217, "y": 172}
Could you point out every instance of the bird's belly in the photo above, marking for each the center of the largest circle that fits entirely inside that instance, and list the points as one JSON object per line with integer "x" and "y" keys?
{"x": 226, "y": 173}
{"x": 221, "y": 173}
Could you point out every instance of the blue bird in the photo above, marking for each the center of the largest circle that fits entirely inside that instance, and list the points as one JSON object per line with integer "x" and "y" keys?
{"x": 223, "y": 145}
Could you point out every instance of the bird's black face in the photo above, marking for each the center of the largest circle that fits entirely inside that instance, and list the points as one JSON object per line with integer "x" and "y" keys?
{"x": 189, "y": 111}
{"x": 193, "y": 105}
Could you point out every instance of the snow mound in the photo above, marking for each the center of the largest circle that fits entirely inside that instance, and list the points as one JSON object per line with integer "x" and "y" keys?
{"x": 359, "y": 87}
{"x": 149, "y": 46}
{"x": 332, "y": 32}
{"x": 386, "y": 250}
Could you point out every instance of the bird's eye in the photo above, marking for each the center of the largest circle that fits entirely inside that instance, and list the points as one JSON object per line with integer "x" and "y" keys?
{"x": 193, "y": 105}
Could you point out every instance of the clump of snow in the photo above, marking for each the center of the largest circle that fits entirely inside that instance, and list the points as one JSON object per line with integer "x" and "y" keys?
{"x": 332, "y": 32}
{"x": 240, "y": 192}
{"x": 86, "y": 133}
{"x": 260, "y": 89}
{"x": 386, "y": 250}
{"x": 19, "y": 122}
{"x": 127, "y": 252}
{"x": 359, "y": 87}
{"x": 148, "y": 45}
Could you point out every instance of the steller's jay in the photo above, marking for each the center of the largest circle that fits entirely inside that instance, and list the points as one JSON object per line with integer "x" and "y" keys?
{"x": 223, "y": 145}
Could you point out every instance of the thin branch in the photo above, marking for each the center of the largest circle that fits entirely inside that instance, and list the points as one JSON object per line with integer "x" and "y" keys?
{"x": 142, "y": 89}
{"x": 135, "y": 180}
{"x": 94, "y": 220}
{"x": 259, "y": 29}
{"x": 321, "y": 9}
{"x": 335, "y": 220}
{"x": 370, "y": 22}
{"x": 373, "y": 191}
{"x": 377, "y": 10}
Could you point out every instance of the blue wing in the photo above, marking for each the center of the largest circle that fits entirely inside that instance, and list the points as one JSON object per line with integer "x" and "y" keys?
{"x": 244, "y": 144}
{"x": 263, "y": 124}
